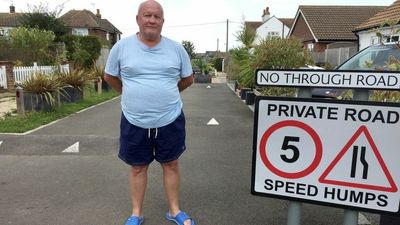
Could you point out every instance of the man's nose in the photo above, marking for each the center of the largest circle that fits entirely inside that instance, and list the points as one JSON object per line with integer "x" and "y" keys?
{"x": 153, "y": 19}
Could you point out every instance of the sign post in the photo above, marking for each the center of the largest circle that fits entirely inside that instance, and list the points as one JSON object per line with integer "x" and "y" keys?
{"x": 350, "y": 217}
{"x": 294, "y": 208}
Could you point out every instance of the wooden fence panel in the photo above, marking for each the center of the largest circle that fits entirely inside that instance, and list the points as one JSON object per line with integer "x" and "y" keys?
{"x": 3, "y": 77}
{"x": 23, "y": 73}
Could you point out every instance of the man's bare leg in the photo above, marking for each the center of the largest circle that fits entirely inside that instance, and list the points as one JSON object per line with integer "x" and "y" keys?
{"x": 138, "y": 183}
{"x": 171, "y": 186}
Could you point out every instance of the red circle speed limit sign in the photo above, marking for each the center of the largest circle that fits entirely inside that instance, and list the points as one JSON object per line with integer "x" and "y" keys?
{"x": 290, "y": 149}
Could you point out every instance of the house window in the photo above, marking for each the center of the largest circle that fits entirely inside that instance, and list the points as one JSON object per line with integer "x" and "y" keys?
{"x": 80, "y": 31}
{"x": 310, "y": 47}
{"x": 392, "y": 38}
{"x": 108, "y": 36}
{"x": 273, "y": 34}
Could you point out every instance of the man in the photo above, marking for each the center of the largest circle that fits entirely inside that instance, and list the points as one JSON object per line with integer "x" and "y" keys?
{"x": 150, "y": 70}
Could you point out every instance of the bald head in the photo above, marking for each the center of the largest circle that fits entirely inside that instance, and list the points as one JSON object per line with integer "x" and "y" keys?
{"x": 150, "y": 19}
{"x": 152, "y": 4}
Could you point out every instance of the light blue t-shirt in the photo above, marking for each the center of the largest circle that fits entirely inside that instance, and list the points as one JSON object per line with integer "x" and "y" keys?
{"x": 150, "y": 94}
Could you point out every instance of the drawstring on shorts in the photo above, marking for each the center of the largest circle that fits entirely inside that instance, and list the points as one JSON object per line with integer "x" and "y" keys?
{"x": 149, "y": 132}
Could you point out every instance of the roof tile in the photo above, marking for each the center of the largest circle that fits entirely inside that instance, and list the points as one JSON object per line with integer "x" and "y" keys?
{"x": 87, "y": 19}
{"x": 336, "y": 22}
{"x": 10, "y": 19}
{"x": 390, "y": 13}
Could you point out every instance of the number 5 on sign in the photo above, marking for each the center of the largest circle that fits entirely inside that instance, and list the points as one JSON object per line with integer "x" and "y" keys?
{"x": 290, "y": 149}
{"x": 287, "y": 146}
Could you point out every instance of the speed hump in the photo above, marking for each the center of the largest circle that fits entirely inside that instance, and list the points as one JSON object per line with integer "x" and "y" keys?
{"x": 330, "y": 152}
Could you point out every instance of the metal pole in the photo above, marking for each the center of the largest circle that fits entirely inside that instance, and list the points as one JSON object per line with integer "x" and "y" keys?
{"x": 294, "y": 208}
{"x": 227, "y": 35}
{"x": 361, "y": 94}
{"x": 350, "y": 217}
{"x": 294, "y": 213}
{"x": 304, "y": 92}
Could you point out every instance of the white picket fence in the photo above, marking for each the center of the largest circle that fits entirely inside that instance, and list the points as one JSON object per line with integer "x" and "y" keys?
{"x": 3, "y": 77}
{"x": 23, "y": 73}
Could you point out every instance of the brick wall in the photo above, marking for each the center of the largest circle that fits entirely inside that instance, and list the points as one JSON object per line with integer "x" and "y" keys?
{"x": 9, "y": 74}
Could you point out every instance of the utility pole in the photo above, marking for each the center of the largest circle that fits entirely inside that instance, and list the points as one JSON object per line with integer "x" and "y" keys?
{"x": 227, "y": 35}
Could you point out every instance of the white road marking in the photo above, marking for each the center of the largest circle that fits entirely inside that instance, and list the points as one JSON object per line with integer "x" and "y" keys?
{"x": 72, "y": 149}
{"x": 212, "y": 122}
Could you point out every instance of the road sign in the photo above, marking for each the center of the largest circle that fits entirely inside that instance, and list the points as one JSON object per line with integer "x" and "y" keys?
{"x": 387, "y": 80}
{"x": 341, "y": 153}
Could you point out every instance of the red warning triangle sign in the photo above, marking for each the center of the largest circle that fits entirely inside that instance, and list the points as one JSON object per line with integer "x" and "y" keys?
{"x": 362, "y": 130}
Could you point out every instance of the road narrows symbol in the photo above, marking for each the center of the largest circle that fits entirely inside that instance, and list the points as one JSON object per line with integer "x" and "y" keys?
{"x": 362, "y": 160}
{"x": 362, "y": 130}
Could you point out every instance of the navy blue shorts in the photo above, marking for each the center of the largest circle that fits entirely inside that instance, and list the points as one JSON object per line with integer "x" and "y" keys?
{"x": 140, "y": 146}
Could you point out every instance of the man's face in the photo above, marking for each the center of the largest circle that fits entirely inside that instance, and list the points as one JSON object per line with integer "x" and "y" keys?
{"x": 150, "y": 20}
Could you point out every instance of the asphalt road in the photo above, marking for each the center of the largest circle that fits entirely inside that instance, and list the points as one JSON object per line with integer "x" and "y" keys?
{"x": 40, "y": 184}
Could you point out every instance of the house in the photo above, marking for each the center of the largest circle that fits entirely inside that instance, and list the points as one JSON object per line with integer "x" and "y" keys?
{"x": 270, "y": 26}
{"x": 84, "y": 22}
{"x": 329, "y": 27}
{"x": 366, "y": 31}
{"x": 9, "y": 21}
{"x": 79, "y": 22}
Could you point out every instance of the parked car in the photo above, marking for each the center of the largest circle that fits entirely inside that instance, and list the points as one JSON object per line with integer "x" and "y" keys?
{"x": 382, "y": 57}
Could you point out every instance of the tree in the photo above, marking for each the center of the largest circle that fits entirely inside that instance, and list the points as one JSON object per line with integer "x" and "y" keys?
{"x": 243, "y": 56}
{"x": 42, "y": 18}
{"x": 189, "y": 47}
{"x": 31, "y": 44}
{"x": 86, "y": 51}
{"x": 246, "y": 36}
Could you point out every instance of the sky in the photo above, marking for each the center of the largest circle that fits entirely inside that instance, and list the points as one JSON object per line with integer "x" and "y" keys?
{"x": 202, "y": 22}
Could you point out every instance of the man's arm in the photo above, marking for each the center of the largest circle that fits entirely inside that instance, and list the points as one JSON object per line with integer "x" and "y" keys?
{"x": 114, "y": 82}
{"x": 185, "y": 82}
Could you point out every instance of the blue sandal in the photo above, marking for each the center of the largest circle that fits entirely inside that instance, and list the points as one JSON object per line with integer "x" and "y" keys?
{"x": 180, "y": 218}
{"x": 134, "y": 220}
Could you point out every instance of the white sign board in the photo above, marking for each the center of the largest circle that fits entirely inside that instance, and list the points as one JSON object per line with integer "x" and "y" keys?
{"x": 328, "y": 152}
{"x": 329, "y": 78}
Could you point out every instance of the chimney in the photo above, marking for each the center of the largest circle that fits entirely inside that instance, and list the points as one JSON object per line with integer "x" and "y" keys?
{"x": 266, "y": 14}
{"x": 12, "y": 9}
{"x": 98, "y": 13}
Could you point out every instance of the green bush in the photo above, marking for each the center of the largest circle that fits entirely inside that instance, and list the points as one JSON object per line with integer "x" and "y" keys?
{"x": 271, "y": 53}
{"x": 83, "y": 50}
{"x": 31, "y": 45}
{"x": 69, "y": 41}
{"x": 280, "y": 53}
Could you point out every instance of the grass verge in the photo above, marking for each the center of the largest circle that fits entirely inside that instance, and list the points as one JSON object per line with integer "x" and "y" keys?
{"x": 32, "y": 120}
